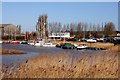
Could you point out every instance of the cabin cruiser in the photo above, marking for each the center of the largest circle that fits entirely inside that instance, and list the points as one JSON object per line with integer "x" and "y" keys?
{"x": 44, "y": 44}
{"x": 39, "y": 43}
{"x": 91, "y": 40}
{"x": 82, "y": 46}
{"x": 48, "y": 45}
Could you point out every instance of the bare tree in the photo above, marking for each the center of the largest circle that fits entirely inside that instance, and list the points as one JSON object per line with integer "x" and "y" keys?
{"x": 68, "y": 28}
{"x": 59, "y": 27}
{"x": 79, "y": 29}
{"x": 71, "y": 29}
{"x": 85, "y": 26}
{"x": 109, "y": 28}
{"x": 64, "y": 28}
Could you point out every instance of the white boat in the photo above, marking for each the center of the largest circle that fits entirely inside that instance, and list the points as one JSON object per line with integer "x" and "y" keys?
{"x": 32, "y": 42}
{"x": 1, "y": 42}
{"x": 39, "y": 43}
{"x": 44, "y": 44}
{"x": 48, "y": 45}
{"x": 92, "y": 40}
{"x": 82, "y": 46}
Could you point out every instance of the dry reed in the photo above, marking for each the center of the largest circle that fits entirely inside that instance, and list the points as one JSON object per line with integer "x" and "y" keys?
{"x": 65, "y": 65}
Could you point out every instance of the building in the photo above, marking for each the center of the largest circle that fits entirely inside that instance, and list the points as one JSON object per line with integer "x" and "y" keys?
{"x": 60, "y": 35}
{"x": 1, "y": 32}
{"x": 41, "y": 27}
{"x": 9, "y": 29}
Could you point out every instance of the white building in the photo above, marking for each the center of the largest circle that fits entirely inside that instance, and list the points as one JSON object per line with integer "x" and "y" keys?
{"x": 59, "y": 35}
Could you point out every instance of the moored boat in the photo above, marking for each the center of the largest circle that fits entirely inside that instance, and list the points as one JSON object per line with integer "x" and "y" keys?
{"x": 14, "y": 42}
{"x": 32, "y": 42}
{"x": 1, "y": 42}
{"x": 81, "y": 46}
{"x": 23, "y": 42}
{"x": 48, "y": 45}
{"x": 39, "y": 43}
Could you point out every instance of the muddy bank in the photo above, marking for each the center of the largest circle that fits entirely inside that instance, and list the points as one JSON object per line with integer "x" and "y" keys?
{"x": 10, "y": 51}
{"x": 65, "y": 65}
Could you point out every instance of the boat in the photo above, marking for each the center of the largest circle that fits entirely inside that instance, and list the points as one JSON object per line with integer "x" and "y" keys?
{"x": 14, "y": 42}
{"x": 1, "y": 42}
{"x": 82, "y": 46}
{"x": 31, "y": 42}
{"x": 43, "y": 44}
{"x": 48, "y": 45}
{"x": 39, "y": 43}
{"x": 6, "y": 42}
{"x": 23, "y": 42}
{"x": 68, "y": 46}
{"x": 92, "y": 40}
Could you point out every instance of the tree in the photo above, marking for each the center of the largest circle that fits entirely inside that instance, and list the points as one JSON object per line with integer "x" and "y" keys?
{"x": 79, "y": 29}
{"x": 59, "y": 27}
{"x": 68, "y": 28}
{"x": 109, "y": 28}
{"x": 85, "y": 26}
{"x": 71, "y": 29}
{"x": 64, "y": 28}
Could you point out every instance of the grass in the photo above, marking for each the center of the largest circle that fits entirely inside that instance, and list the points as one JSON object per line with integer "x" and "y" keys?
{"x": 63, "y": 65}
{"x": 1, "y": 73}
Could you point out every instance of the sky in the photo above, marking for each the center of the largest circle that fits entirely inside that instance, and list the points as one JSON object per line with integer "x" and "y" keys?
{"x": 26, "y": 13}
{"x": 59, "y": 0}
{"x": 119, "y": 16}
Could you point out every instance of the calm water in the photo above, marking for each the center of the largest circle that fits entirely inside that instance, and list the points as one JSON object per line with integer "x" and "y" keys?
{"x": 34, "y": 51}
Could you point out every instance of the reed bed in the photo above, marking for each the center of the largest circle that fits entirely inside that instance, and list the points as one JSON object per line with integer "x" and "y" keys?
{"x": 102, "y": 64}
{"x": 10, "y": 51}
{"x": 1, "y": 73}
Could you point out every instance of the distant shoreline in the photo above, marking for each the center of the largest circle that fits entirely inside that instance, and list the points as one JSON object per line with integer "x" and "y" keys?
{"x": 107, "y": 46}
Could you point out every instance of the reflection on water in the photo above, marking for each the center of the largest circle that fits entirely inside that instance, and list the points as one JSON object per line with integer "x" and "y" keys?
{"x": 34, "y": 51}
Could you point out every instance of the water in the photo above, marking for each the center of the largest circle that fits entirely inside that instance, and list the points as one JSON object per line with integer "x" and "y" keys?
{"x": 30, "y": 50}
{"x": 34, "y": 51}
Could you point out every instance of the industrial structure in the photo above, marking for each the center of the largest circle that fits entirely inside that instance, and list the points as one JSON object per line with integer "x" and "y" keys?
{"x": 41, "y": 27}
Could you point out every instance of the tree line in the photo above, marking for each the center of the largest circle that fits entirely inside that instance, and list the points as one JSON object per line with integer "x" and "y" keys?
{"x": 83, "y": 29}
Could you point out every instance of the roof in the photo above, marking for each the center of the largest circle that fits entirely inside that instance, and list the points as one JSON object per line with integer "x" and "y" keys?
{"x": 6, "y": 25}
{"x": 3, "y": 25}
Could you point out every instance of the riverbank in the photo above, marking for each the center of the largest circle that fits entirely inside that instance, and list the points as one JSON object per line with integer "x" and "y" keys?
{"x": 66, "y": 65}
{"x": 107, "y": 46}
{"x": 10, "y": 51}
